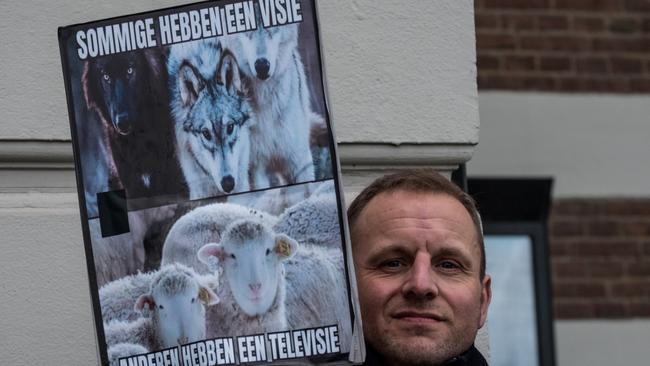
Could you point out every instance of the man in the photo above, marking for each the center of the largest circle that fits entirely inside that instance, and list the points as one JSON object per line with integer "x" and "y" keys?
{"x": 420, "y": 264}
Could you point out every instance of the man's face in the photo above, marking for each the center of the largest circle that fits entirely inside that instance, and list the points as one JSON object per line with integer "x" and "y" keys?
{"x": 418, "y": 262}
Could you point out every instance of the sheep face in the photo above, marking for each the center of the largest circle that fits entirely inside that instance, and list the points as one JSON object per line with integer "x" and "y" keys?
{"x": 251, "y": 255}
{"x": 178, "y": 303}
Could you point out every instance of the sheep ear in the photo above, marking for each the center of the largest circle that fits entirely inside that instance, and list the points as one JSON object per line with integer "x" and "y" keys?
{"x": 190, "y": 85}
{"x": 144, "y": 300}
{"x": 285, "y": 246}
{"x": 211, "y": 250}
{"x": 207, "y": 296}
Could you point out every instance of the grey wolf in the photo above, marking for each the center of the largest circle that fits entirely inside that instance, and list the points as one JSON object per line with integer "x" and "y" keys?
{"x": 127, "y": 91}
{"x": 275, "y": 77}
{"x": 213, "y": 118}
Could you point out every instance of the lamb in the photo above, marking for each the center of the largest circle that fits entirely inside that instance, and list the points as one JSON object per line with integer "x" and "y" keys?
{"x": 175, "y": 307}
{"x": 251, "y": 255}
{"x": 203, "y": 225}
{"x": 122, "y": 350}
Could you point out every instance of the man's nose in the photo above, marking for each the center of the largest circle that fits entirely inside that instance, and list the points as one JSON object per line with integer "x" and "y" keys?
{"x": 421, "y": 282}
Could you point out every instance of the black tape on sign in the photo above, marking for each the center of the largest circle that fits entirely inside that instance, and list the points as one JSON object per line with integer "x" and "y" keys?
{"x": 113, "y": 215}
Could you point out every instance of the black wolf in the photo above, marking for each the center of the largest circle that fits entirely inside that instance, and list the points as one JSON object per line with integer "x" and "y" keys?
{"x": 129, "y": 93}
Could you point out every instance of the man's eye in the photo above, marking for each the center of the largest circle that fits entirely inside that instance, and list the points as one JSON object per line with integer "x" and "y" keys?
{"x": 448, "y": 265}
{"x": 392, "y": 264}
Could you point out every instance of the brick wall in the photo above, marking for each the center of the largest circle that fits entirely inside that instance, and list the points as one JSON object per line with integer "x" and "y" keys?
{"x": 564, "y": 45}
{"x": 600, "y": 258}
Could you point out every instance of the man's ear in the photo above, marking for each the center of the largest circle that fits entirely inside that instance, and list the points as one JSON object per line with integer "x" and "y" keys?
{"x": 486, "y": 297}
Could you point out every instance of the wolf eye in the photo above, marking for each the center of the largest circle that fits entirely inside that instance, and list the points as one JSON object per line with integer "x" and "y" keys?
{"x": 106, "y": 77}
{"x": 206, "y": 133}
{"x": 230, "y": 128}
{"x": 129, "y": 70}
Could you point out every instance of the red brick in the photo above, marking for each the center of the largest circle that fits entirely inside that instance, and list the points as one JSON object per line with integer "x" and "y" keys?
{"x": 518, "y": 22}
{"x": 588, "y": 5}
{"x": 639, "y": 269}
{"x": 578, "y": 290}
{"x": 634, "y": 228}
{"x": 571, "y": 228}
{"x": 640, "y": 85}
{"x": 554, "y": 43}
{"x": 609, "y": 310}
{"x": 634, "y": 289}
{"x": 555, "y": 64}
{"x": 487, "y": 62}
{"x": 589, "y": 65}
{"x": 646, "y": 248}
{"x": 573, "y": 310}
{"x": 638, "y": 309}
{"x": 645, "y": 25}
{"x": 635, "y": 44}
{"x": 603, "y": 228}
{"x": 627, "y": 207}
{"x": 494, "y": 41}
{"x": 542, "y": 83}
{"x": 568, "y": 270}
{"x": 624, "y": 25}
{"x": 610, "y": 269}
{"x": 589, "y": 24}
{"x": 519, "y": 63}
{"x": 626, "y": 65}
{"x": 561, "y": 248}
{"x": 575, "y": 207}
{"x": 607, "y": 85}
{"x": 485, "y": 21}
{"x": 637, "y": 5}
{"x": 552, "y": 22}
{"x": 516, "y": 4}
{"x": 607, "y": 249}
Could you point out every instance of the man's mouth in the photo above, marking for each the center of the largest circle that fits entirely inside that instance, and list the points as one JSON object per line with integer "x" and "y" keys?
{"x": 419, "y": 317}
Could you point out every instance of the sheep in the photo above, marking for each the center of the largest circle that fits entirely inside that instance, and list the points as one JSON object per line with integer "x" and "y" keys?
{"x": 314, "y": 220}
{"x": 116, "y": 298}
{"x": 177, "y": 301}
{"x": 310, "y": 273}
{"x": 251, "y": 255}
{"x": 122, "y": 350}
{"x": 203, "y": 225}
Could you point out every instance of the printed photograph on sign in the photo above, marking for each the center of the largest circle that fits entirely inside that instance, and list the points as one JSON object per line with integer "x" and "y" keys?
{"x": 208, "y": 186}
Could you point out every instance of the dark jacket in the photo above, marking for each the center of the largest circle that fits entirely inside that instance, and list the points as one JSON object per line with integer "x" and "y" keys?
{"x": 471, "y": 357}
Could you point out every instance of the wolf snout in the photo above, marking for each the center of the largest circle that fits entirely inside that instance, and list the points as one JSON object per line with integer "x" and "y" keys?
{"x": 262, "y": 67}
{"x": 122, "y": 123}
{"x": 228, "y": 183}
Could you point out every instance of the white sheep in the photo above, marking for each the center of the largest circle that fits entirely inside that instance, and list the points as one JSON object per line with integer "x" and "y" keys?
{"x": 177, "y": 301}
{"x": 251, "y": 255}
{"x": 317, "y": 292}
{"x": 122, "y": 350}
{"x": 116, "y": 298}
{"x": 200, "y": 226}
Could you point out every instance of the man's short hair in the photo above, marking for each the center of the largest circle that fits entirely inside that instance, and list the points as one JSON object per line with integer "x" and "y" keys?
{"x": 419, "y": 181}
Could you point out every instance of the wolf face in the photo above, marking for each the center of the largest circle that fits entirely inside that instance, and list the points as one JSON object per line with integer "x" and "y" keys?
{"x": 110, "y": 88}
{"x": 217, "y": 124}
{"x": 266, "y": 51}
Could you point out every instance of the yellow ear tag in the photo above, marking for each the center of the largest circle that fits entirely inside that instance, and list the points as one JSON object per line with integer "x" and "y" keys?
{"x": 283, "y": 248}
{"x": 203, "y": 296}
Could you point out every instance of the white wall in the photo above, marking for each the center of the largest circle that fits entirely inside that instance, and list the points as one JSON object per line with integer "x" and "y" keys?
{"x": 593, "y": 145}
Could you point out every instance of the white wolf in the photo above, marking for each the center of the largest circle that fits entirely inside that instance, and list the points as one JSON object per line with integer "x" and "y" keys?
{"x": 212, "y": 118}
{"x": 275, "y": 76}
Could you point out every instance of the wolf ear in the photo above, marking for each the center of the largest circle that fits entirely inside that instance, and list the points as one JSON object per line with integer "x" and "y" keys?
{"x": 91, "y": 90}
{"x": 229, "y": 75}
{"x": 190, "y": 85}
